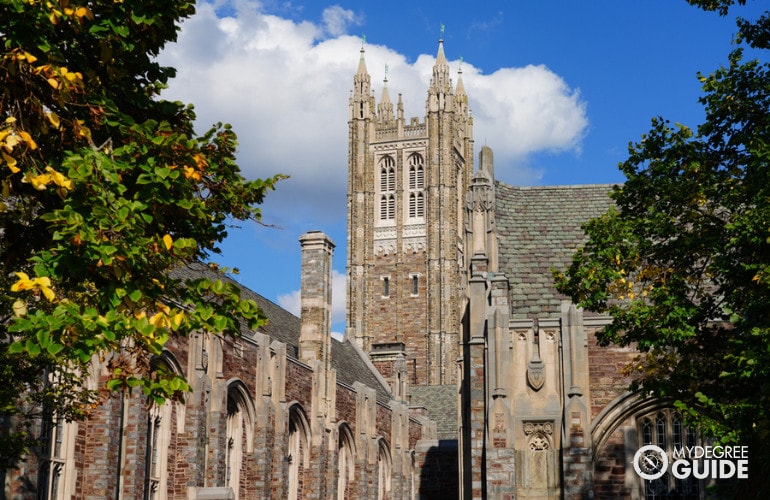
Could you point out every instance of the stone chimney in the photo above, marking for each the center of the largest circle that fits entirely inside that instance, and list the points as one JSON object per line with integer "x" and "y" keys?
{"x": 316, "y": 298}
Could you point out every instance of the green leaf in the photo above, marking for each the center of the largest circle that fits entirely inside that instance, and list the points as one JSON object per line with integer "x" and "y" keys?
{"x": 16, "y": 347}
{"x": 54, "y": 348}
{"x": 43, "y": 338}
{"x": 32, "y": 348}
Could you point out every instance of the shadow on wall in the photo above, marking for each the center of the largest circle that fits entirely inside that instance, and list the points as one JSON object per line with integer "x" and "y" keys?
{"x": 439, "y": 476}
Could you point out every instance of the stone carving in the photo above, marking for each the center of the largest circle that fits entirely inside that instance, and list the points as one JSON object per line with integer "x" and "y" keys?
{"x": 536, "y": 373}
{"x": 539, "y": 435}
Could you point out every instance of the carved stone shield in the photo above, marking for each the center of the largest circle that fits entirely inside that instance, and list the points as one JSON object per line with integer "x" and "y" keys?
{"x": 536, "y": 374}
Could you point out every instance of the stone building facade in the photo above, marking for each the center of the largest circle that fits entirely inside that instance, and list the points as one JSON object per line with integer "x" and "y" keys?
{"x": 463, "y": 374}
{"x": 406, "y": 183}
{"x": 284, "y": 412}
{"x": 460, "y": 301}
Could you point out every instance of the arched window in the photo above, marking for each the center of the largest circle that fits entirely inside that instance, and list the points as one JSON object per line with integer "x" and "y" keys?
{"x": 240, "y": 429}
{"x": 384, "y": 467}
{"x": 416, "y": 186}
{"x": 387, "y": 188}
{"x": 298, "y": 455}
{"x": 346, "y": 462}
{"x": 158, "y": 436}
{"x": 156, "y": 468}
{"x": 416, "y": 171}
{"x": 57, "y": 471}
{"x": 665, "y": 429}
{"x": 159, "y": 428}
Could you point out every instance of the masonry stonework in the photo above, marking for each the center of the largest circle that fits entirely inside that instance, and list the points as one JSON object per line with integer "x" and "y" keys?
{"x": 463, "y": 373}
{"x": 259, "y": 423}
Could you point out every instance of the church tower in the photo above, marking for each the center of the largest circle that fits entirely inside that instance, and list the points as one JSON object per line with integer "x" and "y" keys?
{"x": 407, "y": 181}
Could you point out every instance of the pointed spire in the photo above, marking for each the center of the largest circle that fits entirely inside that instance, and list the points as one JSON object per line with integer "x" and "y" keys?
{"x": 385, "y": 108}
{"x": 441, "y": 82}
{"x": 440, "y": 57}
{"x": 362, "y": 63}
{"x": 460, "y": 89}
{"x": 385, "y": 93}
{"x": 361, "y": 100}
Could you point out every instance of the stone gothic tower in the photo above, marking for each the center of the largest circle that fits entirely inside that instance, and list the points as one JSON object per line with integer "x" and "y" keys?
{"x": 407, "y": 181}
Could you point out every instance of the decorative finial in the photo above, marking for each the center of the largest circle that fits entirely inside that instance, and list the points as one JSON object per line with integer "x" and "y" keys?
{"x": 442, "y": 30}
{"x": 363, "y": 40}
{"x": 461, "y": 64}
{"x": 386, "y": 72}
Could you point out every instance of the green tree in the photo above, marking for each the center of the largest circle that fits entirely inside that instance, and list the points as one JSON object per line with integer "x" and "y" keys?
{"x": 682, "y": 262}
{"x": 106, "y": 189}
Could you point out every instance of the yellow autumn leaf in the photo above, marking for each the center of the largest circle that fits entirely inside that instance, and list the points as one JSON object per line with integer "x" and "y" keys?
{"x": 11, "y": 141}
{"x": 168, "y": 242}
{"x": 20, "y": 308}
{"x": 11, "y": 162}
{"x": 200, "y": 160}
{"x": 49, "y": 294}
{"x": 60, "y": 179}
{"x": 54, "y": 119}
{"x": 53, "y": 83}
{"x": 28, "y": 139}
{"x": 177, "y": 319}
{"x": 191, "y": 173}
{"x": 24, "y": 283}
{"x": 29, "y": 57}
{"x": 83, "y": 12}
{"x": 38, "y": 182}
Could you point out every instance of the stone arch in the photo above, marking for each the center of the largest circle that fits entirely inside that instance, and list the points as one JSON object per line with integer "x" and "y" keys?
{"x": 298, "y": 453}
{"x": 618, "y": 411}
{"x": 159, "y": 431}
{"x": 384, "y": 468}
{"x": 240, "y": 420}
{"x": 242, "y": 397}
{"x": 346, "y": 460}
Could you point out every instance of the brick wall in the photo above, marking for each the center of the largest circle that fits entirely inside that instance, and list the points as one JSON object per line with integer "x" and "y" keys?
{"x": 198, "y": 436}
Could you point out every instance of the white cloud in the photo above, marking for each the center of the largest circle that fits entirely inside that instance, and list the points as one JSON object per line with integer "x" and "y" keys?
{"x": 284, "y": 86}
{"x": 291, "y": 301}
{"x": 336, "y": 20}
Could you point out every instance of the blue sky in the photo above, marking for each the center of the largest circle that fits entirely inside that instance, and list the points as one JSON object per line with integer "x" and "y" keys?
{"x": 557, "y": 90}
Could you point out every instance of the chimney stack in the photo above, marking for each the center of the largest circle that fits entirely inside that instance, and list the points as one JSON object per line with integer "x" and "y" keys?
{"x": 316, "y": 297}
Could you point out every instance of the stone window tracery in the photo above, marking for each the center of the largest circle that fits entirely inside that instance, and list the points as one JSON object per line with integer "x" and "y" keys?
{"x": 665, "y": 428}
{"x": 387, "y": 188}
{"x": 59, "y": 435}
{"x": 416, "y": 186}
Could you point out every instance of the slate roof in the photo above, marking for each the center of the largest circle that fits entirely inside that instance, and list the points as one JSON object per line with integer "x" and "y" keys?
{"x": 539, "y": 229}
{"x": 285, "y": 327}
{"x": 441, "y": 403}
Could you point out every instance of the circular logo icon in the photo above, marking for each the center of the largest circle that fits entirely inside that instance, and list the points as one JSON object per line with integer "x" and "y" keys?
{"x": 650, "y": 462}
